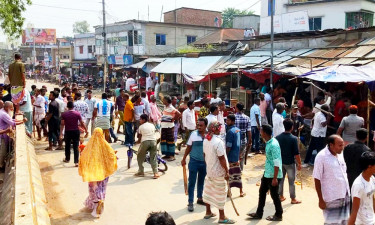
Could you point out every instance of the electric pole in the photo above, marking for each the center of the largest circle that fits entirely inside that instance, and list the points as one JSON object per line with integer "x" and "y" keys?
{"x": 272, "y": 40}
{"x": 104, "y": 34}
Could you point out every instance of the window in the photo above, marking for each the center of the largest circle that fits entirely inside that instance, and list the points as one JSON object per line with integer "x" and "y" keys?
{"x": 191, "y": 39}
{"x": 356, "y": 20}
{"x": 160, "y": 39}
{"x": 99, "y": 42}
{"x": 89, "y": 48}
{"x": 315, "y": 23}
{"x": 139, "y": 39}
{"x": 269, "y": 6}
{"x": 80, "y": 49}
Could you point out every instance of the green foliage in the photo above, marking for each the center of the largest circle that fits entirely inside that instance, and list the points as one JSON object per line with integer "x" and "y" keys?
{"x": 81, "y": 27}
{"x": 11, "y": 16}
{"x": 229, "y": 13}
{"x": 192, "y": 49}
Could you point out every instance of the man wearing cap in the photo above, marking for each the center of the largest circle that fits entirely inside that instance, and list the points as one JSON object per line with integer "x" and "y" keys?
{"x": 350, "y": 124}
{"x": 17, "y": 81}
{"x": 297, "y": 121}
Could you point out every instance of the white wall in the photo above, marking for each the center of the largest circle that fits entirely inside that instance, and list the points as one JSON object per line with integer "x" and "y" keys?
{"x": 85, "y": 42}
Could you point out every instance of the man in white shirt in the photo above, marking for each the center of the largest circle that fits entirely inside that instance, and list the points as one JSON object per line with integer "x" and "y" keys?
{"x": 148, "y": 82}
{"x": 214, "y": 111}
{"x": 320, "y": 101}
{"x": 146, "y": 103}
{"x": 331, "y": 182}
{"x": 188, "y": 121}
{"x": 39, "y": 112}
{"x": 91, "y": 104}
{"x": 130, "y": 81}
{"x": 215, "y": 99}
{"x": 318, "y": 135}
{"x": 363, "y": 192}
{"x": 277, "y": 120}
{"x": 146, "y": 136}
{"x": 255, "y": 119}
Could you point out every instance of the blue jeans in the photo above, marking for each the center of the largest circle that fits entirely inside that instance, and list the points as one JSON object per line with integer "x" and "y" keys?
{"x": 129, "y": 138}
{"x": 196, "y": 168}
{"x": 112, "y": 133}
{"x": 255, "y": 138}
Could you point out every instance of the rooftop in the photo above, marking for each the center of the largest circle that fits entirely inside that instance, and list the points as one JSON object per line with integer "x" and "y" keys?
{"x": 302, "y": 2}
{"x": 192, "y": 9}
{"x": 221, "y": 36}
{"x": 153, "y": 22}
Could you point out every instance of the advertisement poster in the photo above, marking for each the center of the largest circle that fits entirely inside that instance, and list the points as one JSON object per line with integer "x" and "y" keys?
{"x": 120, "y": 60}
{"x": 39, "y": 35}
{"x": 285, "y": 23}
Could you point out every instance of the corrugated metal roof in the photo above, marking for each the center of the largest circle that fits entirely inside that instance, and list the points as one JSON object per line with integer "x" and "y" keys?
{"x": 287, "y": 52}
{"x": 297, "y": 62}
{"x": 361, "y": 62}
{"x": 346, "y": 52}
{"x": 249, "y": 61}
{"x": 371, "y": 55}
{"x": 264, "y": 52}
{"x": 361, "y": 51}
{"x": 369, "y": 41}
{"x": 329, "y": 63}
{"x": 344, "y": 61}
{"x": 300, "y": 52}
{"x": 371, "y": 63}
{"x": 351, "y": 43}
{"x": 318, "y": 53}
{"x": 336, "y": 43}
{"x": 334, "y": 52}
{"x": 313, "y": 63}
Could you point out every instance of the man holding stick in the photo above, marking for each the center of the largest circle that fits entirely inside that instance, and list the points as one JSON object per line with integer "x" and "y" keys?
{"x": 215, "y": 186}
{"x": 197, "y": 166}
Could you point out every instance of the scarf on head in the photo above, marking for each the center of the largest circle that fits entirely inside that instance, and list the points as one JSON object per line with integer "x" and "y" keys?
{"x": 212, "y": 128}
{"x": 98, "y": 159}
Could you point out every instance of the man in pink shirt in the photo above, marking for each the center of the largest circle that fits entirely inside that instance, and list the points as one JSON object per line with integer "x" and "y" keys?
{"x": 263, "y": 107}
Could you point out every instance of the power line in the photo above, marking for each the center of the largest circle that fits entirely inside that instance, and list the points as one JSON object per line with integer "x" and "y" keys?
{"x": 58, "y": 7}
{"x": 253, "y": 5}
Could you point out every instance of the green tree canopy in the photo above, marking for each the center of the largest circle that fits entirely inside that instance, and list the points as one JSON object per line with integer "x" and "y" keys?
{"x": 11, "y": 16}
{"x": 81, "y": 27}
{"x": 229, "y": 13}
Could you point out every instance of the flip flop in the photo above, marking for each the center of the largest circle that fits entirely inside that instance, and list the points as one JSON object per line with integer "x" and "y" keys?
{"x": 209, "y": 216}
{"x": 227, "y": 221}
{"x": 295, "y": 202}
{"x": 282, "y": 199}
{"x": 242, "y": 195}
{"x": 274, "y": 218}
{"x": 254, "y": 216}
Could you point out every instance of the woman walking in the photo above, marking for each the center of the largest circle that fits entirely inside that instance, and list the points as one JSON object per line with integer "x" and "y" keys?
{"x": 98, "y": 161}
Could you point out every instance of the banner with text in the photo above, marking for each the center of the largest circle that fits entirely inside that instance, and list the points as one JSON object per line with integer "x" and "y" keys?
{"x": 285, "y": 23}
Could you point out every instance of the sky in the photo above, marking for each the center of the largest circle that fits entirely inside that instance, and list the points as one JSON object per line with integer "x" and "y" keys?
{"x": 61, "y": 14}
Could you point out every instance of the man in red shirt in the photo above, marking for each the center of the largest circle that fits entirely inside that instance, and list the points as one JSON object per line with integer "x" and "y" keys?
{"x": 340, "y": 111}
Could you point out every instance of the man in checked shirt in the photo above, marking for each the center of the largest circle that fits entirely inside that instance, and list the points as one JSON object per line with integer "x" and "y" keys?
{"x": 244, "y": 124}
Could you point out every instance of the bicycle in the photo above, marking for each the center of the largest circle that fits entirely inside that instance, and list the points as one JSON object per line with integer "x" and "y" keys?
{"x": 131, "y": 152}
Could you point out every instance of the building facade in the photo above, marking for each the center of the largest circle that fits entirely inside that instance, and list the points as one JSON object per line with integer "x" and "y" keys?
{"x": 84, "y": 46}
{"x": 192, "y": 16}
{"x": 327, "y": 14}
{"x": 136, "y": 37}
{"x": 246, "y": 22}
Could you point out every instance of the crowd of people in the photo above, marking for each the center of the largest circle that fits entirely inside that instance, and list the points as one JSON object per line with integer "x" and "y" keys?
{"x": 218, "y": 141}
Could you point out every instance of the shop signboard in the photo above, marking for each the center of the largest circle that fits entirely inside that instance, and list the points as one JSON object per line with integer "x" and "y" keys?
{"x": 120, "y": 60}
{"x": 39, "y": 36}
{"x": 285, "y": 23}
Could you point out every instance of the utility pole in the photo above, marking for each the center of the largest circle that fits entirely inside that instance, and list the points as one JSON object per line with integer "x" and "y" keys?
{"x": 104, "y": 34}
{"x": 58, "y": 56}
{"x": 272, "y": 40}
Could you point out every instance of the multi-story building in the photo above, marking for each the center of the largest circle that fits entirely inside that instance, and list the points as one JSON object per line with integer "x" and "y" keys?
{"x": 192, "y": 16}
{"x": 327, "y": 14}
{"x": 62, "y": 53}
{"x": 84, "y": 47}
{"x": 137, "y": 37}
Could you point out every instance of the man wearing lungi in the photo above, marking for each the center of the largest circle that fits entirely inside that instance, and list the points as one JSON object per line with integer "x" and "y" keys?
{"x": 271, "y": 177}
{"x": 39, "y": 112}
{"x": 197, "y": 166}
{"x": 331, "y": 182}
{"x": 215, "y": 185}
{"x": 17, "y": 81}
{"x": 233, "y": 143}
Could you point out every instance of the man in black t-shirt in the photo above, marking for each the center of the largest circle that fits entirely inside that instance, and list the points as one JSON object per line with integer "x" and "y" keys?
{"x": 289, "y": 155}
{"x": 53, "y": 120}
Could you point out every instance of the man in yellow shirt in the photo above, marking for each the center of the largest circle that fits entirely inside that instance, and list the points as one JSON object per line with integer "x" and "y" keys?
{"x": 17, "y": 81}
{"x": 128, "y": 119}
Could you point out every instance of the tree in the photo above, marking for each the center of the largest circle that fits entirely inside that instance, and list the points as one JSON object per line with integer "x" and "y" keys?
{"x": 229, "y": 13}
{"x": 11, "y": 16}
{"x": 80, "y": 27}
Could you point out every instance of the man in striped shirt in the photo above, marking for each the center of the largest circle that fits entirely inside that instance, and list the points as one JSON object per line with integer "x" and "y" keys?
{"x": 102, "y": 111}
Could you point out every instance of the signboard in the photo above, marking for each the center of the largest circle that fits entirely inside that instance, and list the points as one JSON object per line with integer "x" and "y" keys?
{"x": 120, "y": 60}
{"x": 285, "y": 23}
{"x": 39, "y": 35}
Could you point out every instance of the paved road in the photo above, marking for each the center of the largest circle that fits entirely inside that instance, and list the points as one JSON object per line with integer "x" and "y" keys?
{"x": 129, "y": 199}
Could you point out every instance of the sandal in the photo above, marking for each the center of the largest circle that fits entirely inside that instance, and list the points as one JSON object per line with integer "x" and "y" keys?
{"x": 209, "y": 216}
{"x": 156, "y": 176}
{"x": 282, "y": 199}
{"x": 274, "y": 218}
{"x": 139, "y": 174}
{"x": 295, "y": 202}
{"x": 99, "y": 208}
{"x": 254, "y": 216}
{"x": 242, "y": 195}
{"x": 227, "y": 221}
{"x": 171, "y": 159}
{"x": 65, "y": 161}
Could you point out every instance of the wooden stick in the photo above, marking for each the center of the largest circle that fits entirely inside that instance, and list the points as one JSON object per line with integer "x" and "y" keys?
{"x": 230, "y": 197}
{"x": 311, "y": 83}
{"x": 324, "y": 111}
{"x": 294, "y": 96}
{"x": 300, "y": 177}
{"x": 185, "y": 179}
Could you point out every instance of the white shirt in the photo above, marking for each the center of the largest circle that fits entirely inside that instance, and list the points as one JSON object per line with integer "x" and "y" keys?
{"x": 40, "y": 101}
{"x": 255, "y": 110}
{"x": 365, "y": 192}
{"x": 147, "y": 130}
{"x": 61, "y": 105}
{"x": 278, "y": 126}
{"x": 220, "y": 118}
{"x": 147, "y": 106}
{"x": 129, "y": 82}
{"x": 139, "y": 110}
{"x": 213, "y": 150}
{"x": 148, "y": 82}
{"x": 268, "y": 99}
{"x": 331, "y": 171}
{"x": 215, "y": 100}
{"x": 91, "y": 103}
{"x": 188, "y": 119}
{"x": 104, "y": 107}
{"x": 319, "y": 106}
{"x": 318, "y": 130}
{"x": 210, "y": 118}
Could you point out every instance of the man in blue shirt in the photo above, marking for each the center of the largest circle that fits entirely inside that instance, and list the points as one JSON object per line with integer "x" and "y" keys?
{"x": 255, "y": 120}
{"x": 233, "y": 143}
{"x": 271, "y": 178}
{"x": 197, "y": 165}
